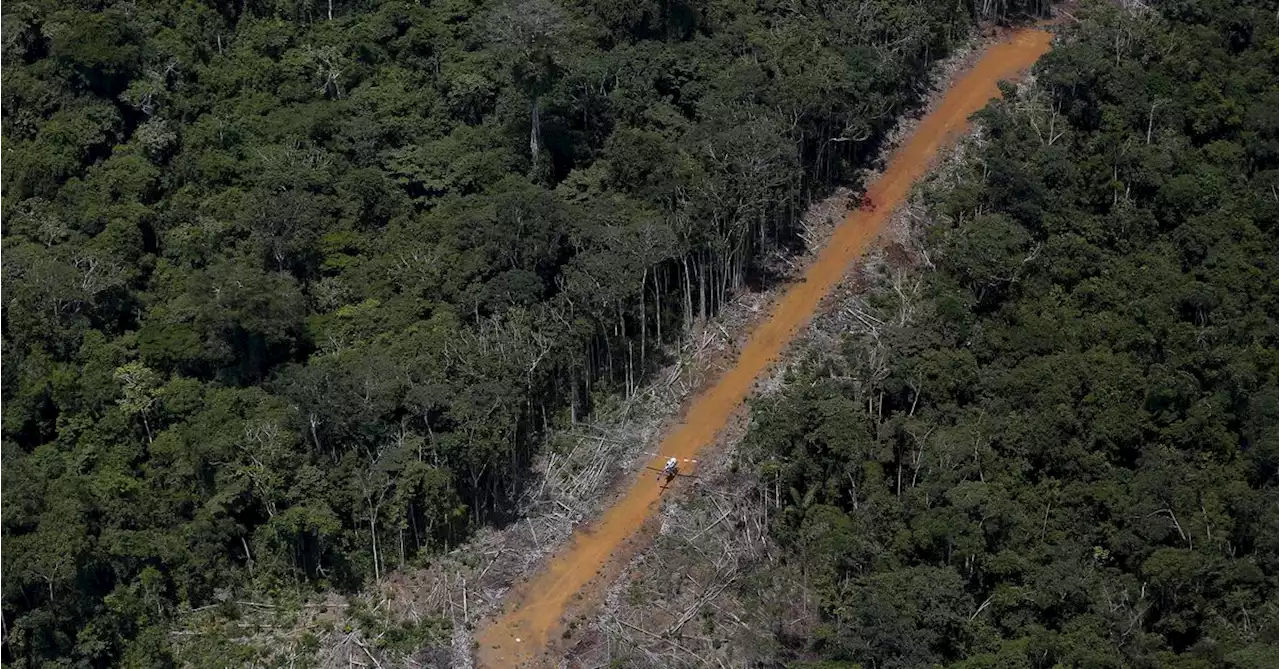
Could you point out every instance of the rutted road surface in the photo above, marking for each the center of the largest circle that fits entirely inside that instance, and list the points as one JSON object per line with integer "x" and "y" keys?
{"x": 521, "y": 634}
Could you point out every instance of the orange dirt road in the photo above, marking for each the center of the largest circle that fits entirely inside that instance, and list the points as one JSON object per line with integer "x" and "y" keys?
{"x": 521, "y": 635}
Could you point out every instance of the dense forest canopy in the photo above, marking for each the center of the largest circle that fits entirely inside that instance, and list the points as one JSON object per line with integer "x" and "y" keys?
{"x": 293, "y": 290}
{"x": 1064, "y": 453}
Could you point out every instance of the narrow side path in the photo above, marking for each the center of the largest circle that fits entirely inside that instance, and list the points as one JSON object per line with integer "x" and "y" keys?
{"x": 522, "y": 633}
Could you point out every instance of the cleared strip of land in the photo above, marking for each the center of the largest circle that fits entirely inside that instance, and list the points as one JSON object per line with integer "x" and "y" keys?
{"x": 521, "y": 634}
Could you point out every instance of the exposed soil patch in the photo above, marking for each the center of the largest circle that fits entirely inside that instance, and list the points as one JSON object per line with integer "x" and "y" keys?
{"x": 534, "y": 625}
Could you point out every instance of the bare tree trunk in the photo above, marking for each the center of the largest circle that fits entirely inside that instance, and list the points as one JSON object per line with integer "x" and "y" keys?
{"x": 535, "y": 138}
{"x": 608, "y": 357}
{"x": 726, "y": 277}
{"x": 761, "y": 225}
{"x": 688, "y": 295}
{"x": 657, "y": 296}
{"x": 705, "y": 287}
{"x": 573, "y": 398}
{"x": 644, "y": 321}
{"x": 898, "y": 493}
{"x": 373, "y": 534}
{"x": 248, "y": 557}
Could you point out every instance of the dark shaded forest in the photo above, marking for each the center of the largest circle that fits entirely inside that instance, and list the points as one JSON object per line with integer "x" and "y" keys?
{"x": 294, "y": 290}
{"x": 1064, "y": 453}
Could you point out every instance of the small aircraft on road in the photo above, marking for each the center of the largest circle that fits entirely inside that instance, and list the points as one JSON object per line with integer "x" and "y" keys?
{"x": 670, "y": 471}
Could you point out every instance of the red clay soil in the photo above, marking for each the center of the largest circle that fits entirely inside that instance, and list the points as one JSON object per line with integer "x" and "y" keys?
{"x": 523, "y": 634}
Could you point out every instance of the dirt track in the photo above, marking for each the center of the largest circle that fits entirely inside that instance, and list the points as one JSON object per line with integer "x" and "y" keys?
{"x": 521, "y": 635}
